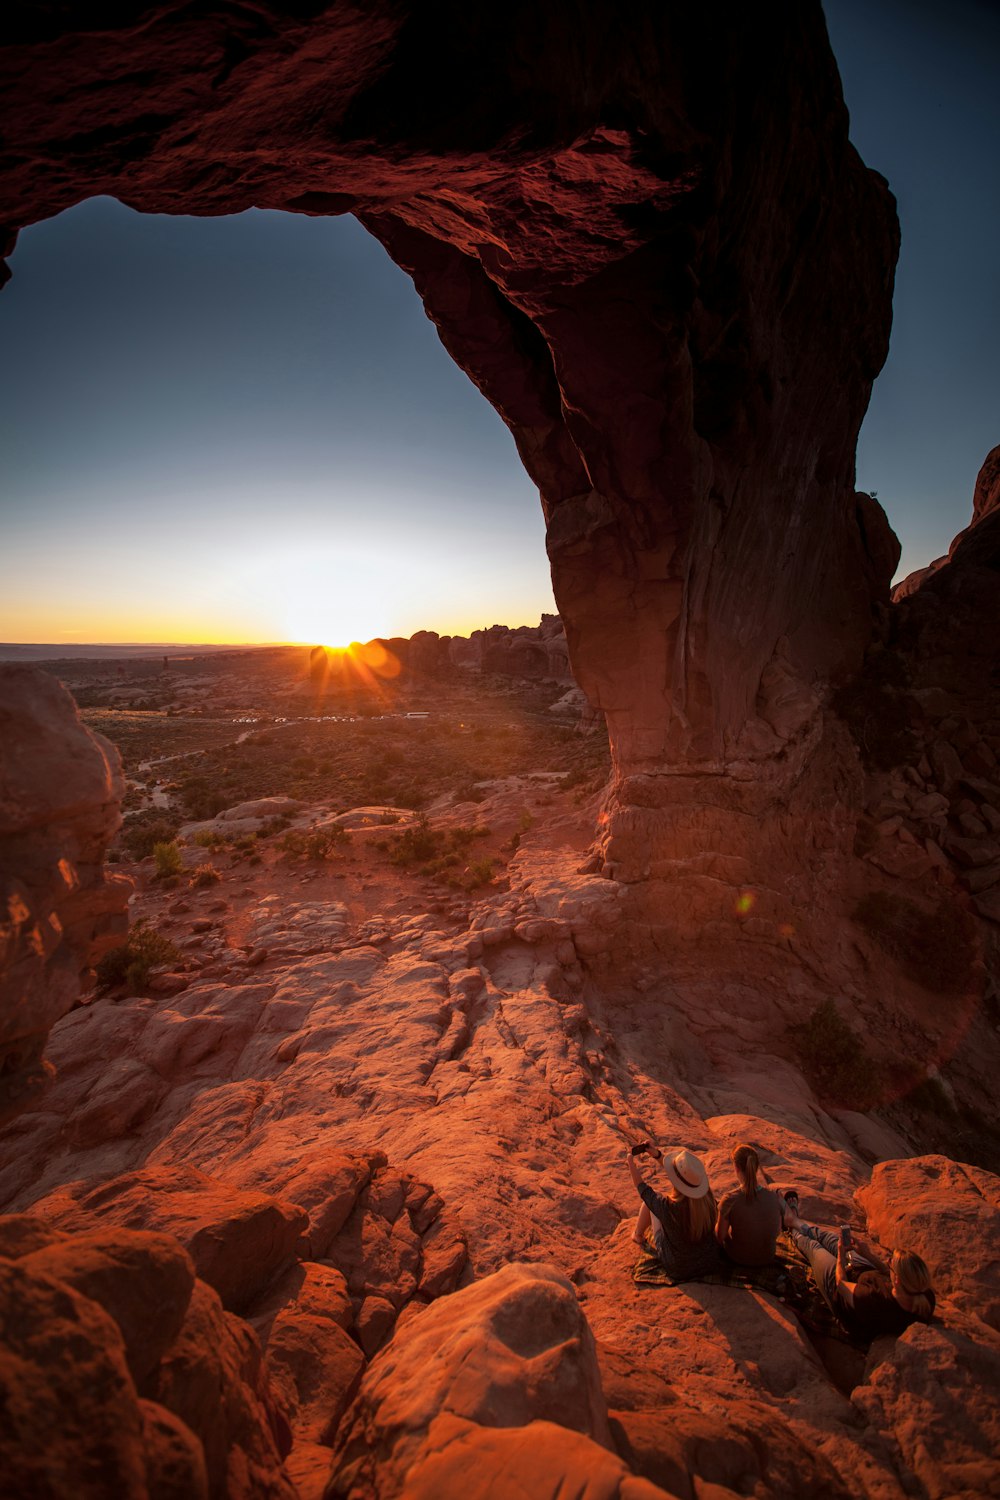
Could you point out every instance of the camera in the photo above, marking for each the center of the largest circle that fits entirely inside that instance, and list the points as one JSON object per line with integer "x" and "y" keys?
{"x": 846, "y": 1238}
{"x": 641, "y": 1148}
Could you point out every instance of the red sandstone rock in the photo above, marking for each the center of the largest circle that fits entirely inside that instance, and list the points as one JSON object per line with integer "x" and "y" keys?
{"x": 59, "y": 791}
{"x": 314, "y": 1367}
{"x": 935, "y": 1390}
{"x": 540, "y": 1459}
{"x": 144, "y": 1281}
{"x": 506, "y": 1351}
{"x": 71, "y": 1422}
{"x": 175, "y": 1461}
{"x": 950, "y": 1214}
{"x": 237, "y": 1241}
{"x": 212, "y": 1379}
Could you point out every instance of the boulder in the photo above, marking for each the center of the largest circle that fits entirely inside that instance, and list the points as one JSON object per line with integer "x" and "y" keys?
{"x": 143, "y": 1280}
{"x": 60, "y": 789}
{"x": 934, "y": 1391}
{"x": 71, "y": 1421}
{"x": 948, "y": 1212}
{"x": 175, "y": 1460}
{"x": 540, "y": 1459}
{"x": 512, "y": 1349}
{"x": 237, "y": 1240}
{"x": 212, "y": 1378}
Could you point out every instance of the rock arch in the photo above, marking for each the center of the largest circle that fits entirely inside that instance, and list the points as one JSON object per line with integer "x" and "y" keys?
{"x": 649, "y": 243}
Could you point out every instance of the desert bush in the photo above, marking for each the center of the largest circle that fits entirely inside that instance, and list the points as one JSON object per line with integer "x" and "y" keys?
{"x": 201, "y": 799}
{"x": 934, "y": 949}
{"x": 209, "y": 838}
{"x": 416, "y": 845}
{"x": 141, "y": 833}
{"x": 168, "y": 860}
{"x": 204, "y": 875}
{"x": 481, "y": 872}
{"x": 274, "y": 825}
{"x": 834, "y": 1059}
{"x": 315, "y": 843}
{"x": 130, "y": 964}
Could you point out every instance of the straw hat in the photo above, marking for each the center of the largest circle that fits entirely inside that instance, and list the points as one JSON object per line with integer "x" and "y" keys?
{"x": 685, "y": 1172}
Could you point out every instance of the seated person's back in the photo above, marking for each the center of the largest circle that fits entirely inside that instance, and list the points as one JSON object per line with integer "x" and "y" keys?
{"x": 754, "y": 1225}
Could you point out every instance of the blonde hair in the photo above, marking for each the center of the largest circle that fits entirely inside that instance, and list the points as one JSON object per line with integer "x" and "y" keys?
{"x": 747, "y": 1164}
{"x": 914, "y": 1279}
{"x": 698, "y": 1216}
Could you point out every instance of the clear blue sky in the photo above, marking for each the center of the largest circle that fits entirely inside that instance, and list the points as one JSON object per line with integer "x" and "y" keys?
{"x": 921, "y": 83}
{"x": 250, "y": 423}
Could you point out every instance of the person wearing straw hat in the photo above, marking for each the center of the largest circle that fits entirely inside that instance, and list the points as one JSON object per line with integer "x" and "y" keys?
{"x": 683, "y": 1221}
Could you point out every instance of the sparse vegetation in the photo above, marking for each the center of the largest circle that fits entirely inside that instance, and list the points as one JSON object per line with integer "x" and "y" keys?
{"x": 209, "y": 838}
{"x": 934, "y": 949}
{"x": 432, "y": 850}
{"x": 130, "y": 964}
{"x": 203, "y": 876}
{"x": 142, "y": 833}
{"x": 834, "y": 1059}
{"x": 168, "y": 860}
{"x": 315, "y": 843}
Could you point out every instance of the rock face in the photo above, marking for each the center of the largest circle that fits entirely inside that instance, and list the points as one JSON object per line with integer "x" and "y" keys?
{"x": 60, "y": 787}
{"x": 121, "y": 1375}
{"x": 650, "y": 245}
{"x": 514, "y": 1349}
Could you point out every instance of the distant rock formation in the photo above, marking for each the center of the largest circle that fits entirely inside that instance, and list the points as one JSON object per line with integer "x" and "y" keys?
{"x": 60, "y": 787}
{"x": 979, "y": 543}
{"x": 533, "y": 652}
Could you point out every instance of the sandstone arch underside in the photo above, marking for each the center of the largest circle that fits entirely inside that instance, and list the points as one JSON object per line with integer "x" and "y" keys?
{"x": 646, "y": 238}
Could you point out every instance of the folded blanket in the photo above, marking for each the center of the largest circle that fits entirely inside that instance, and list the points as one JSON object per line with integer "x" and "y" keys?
{"x": 787, "y": 1277}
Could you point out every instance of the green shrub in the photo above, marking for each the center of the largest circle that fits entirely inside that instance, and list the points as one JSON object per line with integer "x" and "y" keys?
{"x": 201, "y": 799}
{"x": 481, "y": 872}
{"x": 130, "y": 964}
{"x": 416, "y": 845}
{"x": 204, "y": 875}
{"x": 934, "y": 949}
{"x": 834, "y": 1059}
{"x": 209, "y": 838}
{"x": 277, "y": 824}
{"x": 141, "y": 833}
{"x": 316, "y": 843}
{"x": 168, "y": 860}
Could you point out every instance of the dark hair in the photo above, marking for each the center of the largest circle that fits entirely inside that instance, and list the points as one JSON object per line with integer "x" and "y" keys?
{"x": 747, "y": 1163}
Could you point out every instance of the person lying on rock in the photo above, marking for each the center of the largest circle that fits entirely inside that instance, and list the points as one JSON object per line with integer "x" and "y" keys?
{"x": 750, "y": 1219}
{"x": 682, "y": 1222}
{"x": 868, "y": 1297}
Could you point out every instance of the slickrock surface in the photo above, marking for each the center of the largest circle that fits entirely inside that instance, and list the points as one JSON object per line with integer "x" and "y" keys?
{"x": 351, "y": 1143}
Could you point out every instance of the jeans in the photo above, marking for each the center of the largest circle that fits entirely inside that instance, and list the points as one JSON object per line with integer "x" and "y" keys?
{"x": 819, "y": 1246}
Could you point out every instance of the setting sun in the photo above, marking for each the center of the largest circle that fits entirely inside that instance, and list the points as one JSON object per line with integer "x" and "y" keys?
{"x": 334, "y": 600}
